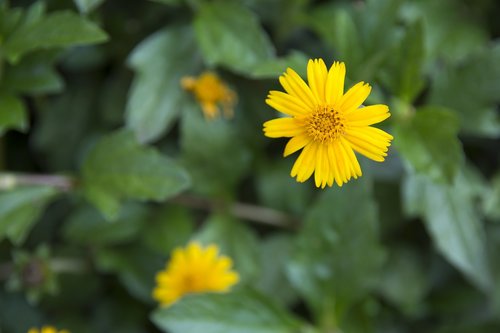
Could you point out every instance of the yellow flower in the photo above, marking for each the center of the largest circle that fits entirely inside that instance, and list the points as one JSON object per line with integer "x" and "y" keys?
{"x": 210, "y": 91}
{"x": 194, "y": 270}
{"x": 46, "y": 329}
{"x": 328, "y": 124}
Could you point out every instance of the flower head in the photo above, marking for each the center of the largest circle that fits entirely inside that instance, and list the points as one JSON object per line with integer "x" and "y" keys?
{"x": 46, "y": 329}
{"x": 194, "y": 270}
{"x": 211, "y": 91}
{"x": 327, "y": 124}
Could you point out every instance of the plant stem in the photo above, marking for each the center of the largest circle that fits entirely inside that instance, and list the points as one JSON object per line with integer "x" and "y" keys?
{"x": 241, "y": 210}
{"x": 11, "y": 180}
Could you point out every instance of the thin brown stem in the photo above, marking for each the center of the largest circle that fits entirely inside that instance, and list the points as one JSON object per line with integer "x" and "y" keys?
{"x": 241, "y": 210}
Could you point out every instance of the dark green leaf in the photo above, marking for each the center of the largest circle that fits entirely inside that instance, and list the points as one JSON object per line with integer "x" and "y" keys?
{"x": 34, "y": 74}
{"x": 338, "y": 255}
{"x": 55, "y": 30}
{"x": 12, "y": 113}
{"x": 135, "y": 266}
{"x": 119, "y": 168}
{"x": 19, "y": 210}
{"x": 156, "y": 97}
{"x": 428, "y": 140}
{"x": 235, "y": 240}
{"x": 236, "y": 312}
{"x": 169, "y": 227}
{"x": 453, "y": 224}
{"x": 213, "y": 153}
{"x": 87, "y": 226}
{"x": 230, "y": 35}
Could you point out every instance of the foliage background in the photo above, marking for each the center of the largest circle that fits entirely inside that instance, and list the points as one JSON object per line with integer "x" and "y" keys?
{"x": 107, "y": 165}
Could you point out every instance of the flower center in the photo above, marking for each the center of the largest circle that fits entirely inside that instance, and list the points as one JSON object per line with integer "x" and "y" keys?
{"x": 325, "y": 124}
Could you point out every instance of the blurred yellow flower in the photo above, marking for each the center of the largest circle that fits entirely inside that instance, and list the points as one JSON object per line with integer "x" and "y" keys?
{"x": 210, "y": 91}
{"x": 194, "y": 270}
{"x": 46, "y": 329}
{"x": 328, "y": 124}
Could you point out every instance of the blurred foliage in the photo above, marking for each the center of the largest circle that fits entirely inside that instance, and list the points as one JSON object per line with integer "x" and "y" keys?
{"x": 108, "y": 165}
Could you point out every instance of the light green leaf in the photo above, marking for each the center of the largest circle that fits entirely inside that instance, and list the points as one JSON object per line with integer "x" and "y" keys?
{"x": 230, "y": 35}
{"x": 428, "y": 140}
{"x": 271, "y": 69}
{"x": 491, "y": 203}
{"x": 337, "y": 255}
{"x": 236, "y": 312}
{"x": 404, "y": 74}
{"x": 12, "y": 113}
{"x": 86, "y": 6}
{"x": 156, "y": 97}
{"x": 119, "y": 168}
{"x": 59, "y": 29}
{"x": 471, "y": 89}
{"x": 19, "y": 210}
{"x": 235, "y": 240}
{"x": 452, "y": 223}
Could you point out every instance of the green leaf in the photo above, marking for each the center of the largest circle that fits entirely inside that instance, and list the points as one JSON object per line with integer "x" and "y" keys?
{"x": 19, "y": 210}
{"x": 169, "y": 227}
{"x": 271, "y": 69}
{"x": 237, "y": 312}
{"x": 34, "y": 74}
{"x": 86, "y": 6}
{"x": 218, "y": 164}
{"x": 12, "y": 113}
{"x": 471, "y": 89}
{"x": 428, "y": 140}
{"x": 404, "y": 74}
{"x": 453, "y": 224}
{"x": 60, "y": 29}
{"x": 156, "y": 97}
{"x": 274, "y": 253}
{"x": 491, "y": 203}
{"x": 135, "y": 266}
{"x": 235, "y": 240}
{"x": 337, "y": 254}
{"x": 170, "y": 2}
{"x": 230, "y": 35}
{"x": 86, "y": 226}
{"x": 119, "y": 168}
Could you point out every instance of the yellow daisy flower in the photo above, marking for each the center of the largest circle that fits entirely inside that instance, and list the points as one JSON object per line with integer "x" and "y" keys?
{"x": 210, "y": 91}
{"x": 46, "y": 329}
{"x": 328, "y": 124}
{"x": 194, "y": 270}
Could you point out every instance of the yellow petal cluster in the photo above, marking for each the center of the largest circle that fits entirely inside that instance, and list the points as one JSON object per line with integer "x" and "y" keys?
{"x": 194, "y": 269}
{"x": 327, "y": 124}
{"x": 210, "y": 92}
{"x": 46, "y": 329}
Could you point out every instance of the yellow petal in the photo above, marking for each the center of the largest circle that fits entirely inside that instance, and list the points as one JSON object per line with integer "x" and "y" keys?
{"x": 294, "y": 85}
{"x": 334, "y": 165}
{"x": 305, "y": 163}
{"x": 283, "y": 127}
{"x": 335, "y": 83}
{"x": 354, "y": 97}
{"x": 363, "y": 144}
{"x": 316, "y": 77}
{"x": 296, "y": 143}
{"x": 287, "y": 104}
{"x": 356, "y": 168}
{"x": 369, "y": 115}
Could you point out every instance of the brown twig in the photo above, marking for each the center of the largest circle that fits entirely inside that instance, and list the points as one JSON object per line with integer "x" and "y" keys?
{"x": 241, "y": 210}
